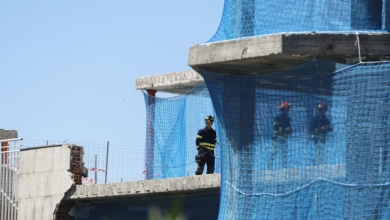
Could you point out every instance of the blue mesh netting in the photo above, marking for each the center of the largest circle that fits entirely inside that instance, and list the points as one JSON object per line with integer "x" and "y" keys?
{"x": 172, "y": 127}
{"x": 352, "y": 180}
{"x": 243, "y": 18}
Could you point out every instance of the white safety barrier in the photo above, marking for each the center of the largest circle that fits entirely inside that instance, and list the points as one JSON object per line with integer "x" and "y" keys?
{"x": 9, "y": 172}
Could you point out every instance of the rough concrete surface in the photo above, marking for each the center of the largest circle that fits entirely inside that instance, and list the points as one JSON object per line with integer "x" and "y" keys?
{"x": 147, "y": 187}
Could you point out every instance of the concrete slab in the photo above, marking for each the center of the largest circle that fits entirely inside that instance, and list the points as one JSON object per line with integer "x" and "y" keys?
{"x": 175, "y": 83}
{"x": 191, "y": 205}
{"x": 278, "y": 52}
{"x": 8, "y": 134}
{"x": 147, "y": 187}
{"x": 269, "y": 54}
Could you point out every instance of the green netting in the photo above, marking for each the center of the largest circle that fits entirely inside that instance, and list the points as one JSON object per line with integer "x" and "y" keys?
{"x": 243, "y": 18}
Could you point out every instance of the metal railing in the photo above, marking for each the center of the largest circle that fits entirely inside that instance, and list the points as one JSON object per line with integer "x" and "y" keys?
{"x": 9, "y": 172}
{"x": 106, "y": 161}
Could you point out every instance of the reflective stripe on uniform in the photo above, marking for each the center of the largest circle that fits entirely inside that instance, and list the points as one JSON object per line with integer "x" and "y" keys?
{"x": 207, "y": 145}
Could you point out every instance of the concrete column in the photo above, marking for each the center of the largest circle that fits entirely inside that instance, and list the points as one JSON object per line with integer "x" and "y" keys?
{"x": 238, "y": 116}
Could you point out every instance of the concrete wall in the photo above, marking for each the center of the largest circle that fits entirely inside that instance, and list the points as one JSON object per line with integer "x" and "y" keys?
{"x": 44, "y": 178}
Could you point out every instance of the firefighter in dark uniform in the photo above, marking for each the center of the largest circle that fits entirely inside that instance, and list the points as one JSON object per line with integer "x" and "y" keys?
{"x": 205, "y": 144}
{"x": 282, "y": 131}
{"x": 319, "y": 127}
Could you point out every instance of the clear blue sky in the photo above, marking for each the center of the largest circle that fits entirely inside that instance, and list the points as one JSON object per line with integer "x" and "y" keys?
{"x": 68, "y": 67}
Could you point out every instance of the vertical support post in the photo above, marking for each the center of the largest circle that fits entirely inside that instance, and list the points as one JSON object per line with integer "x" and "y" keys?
{"x": 150, "y": 134}
{"x": 239, "y": 99}
{"x": 108, "y": 146}
{"x": 4, "y": 152}
{"x": 95, "y": 168}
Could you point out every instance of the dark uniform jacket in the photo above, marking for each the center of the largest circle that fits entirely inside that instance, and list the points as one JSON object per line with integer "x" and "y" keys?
{"x": 316, "y": 123}
{"x": 281, "y": 122}
{"x": 206, "y": 138}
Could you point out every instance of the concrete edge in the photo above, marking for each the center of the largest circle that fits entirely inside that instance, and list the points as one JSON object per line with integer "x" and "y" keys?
{"x": 175, "y": 81}
{"x": 147, "y": 187}
{"x": 287, "y": 44}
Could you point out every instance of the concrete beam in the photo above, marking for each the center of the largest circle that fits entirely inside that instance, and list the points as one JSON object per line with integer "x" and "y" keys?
{"x": 8, "y": 134}
{"x": 176, "y": 82}
{"x": 148, "y": 187}
{"x": 268, "y": 54}
{"x": 278, "y": 52}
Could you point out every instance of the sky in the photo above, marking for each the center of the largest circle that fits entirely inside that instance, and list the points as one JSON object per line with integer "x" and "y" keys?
{"x": 68, "y": 67}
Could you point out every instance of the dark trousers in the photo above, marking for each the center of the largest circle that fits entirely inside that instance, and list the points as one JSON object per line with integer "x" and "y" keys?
{"x": 205, "y": 157}
{"x": 319, "y": 142}
{"x": 279, "y": 148}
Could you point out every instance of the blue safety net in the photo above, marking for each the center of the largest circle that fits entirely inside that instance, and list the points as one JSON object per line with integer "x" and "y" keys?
{"x": 172, "y": 126}
{"x": 346, "y": 176}
{"x": 245, "y": 18}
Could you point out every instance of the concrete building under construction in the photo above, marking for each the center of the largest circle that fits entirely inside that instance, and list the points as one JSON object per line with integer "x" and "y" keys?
{"x": 263, "y": 53}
